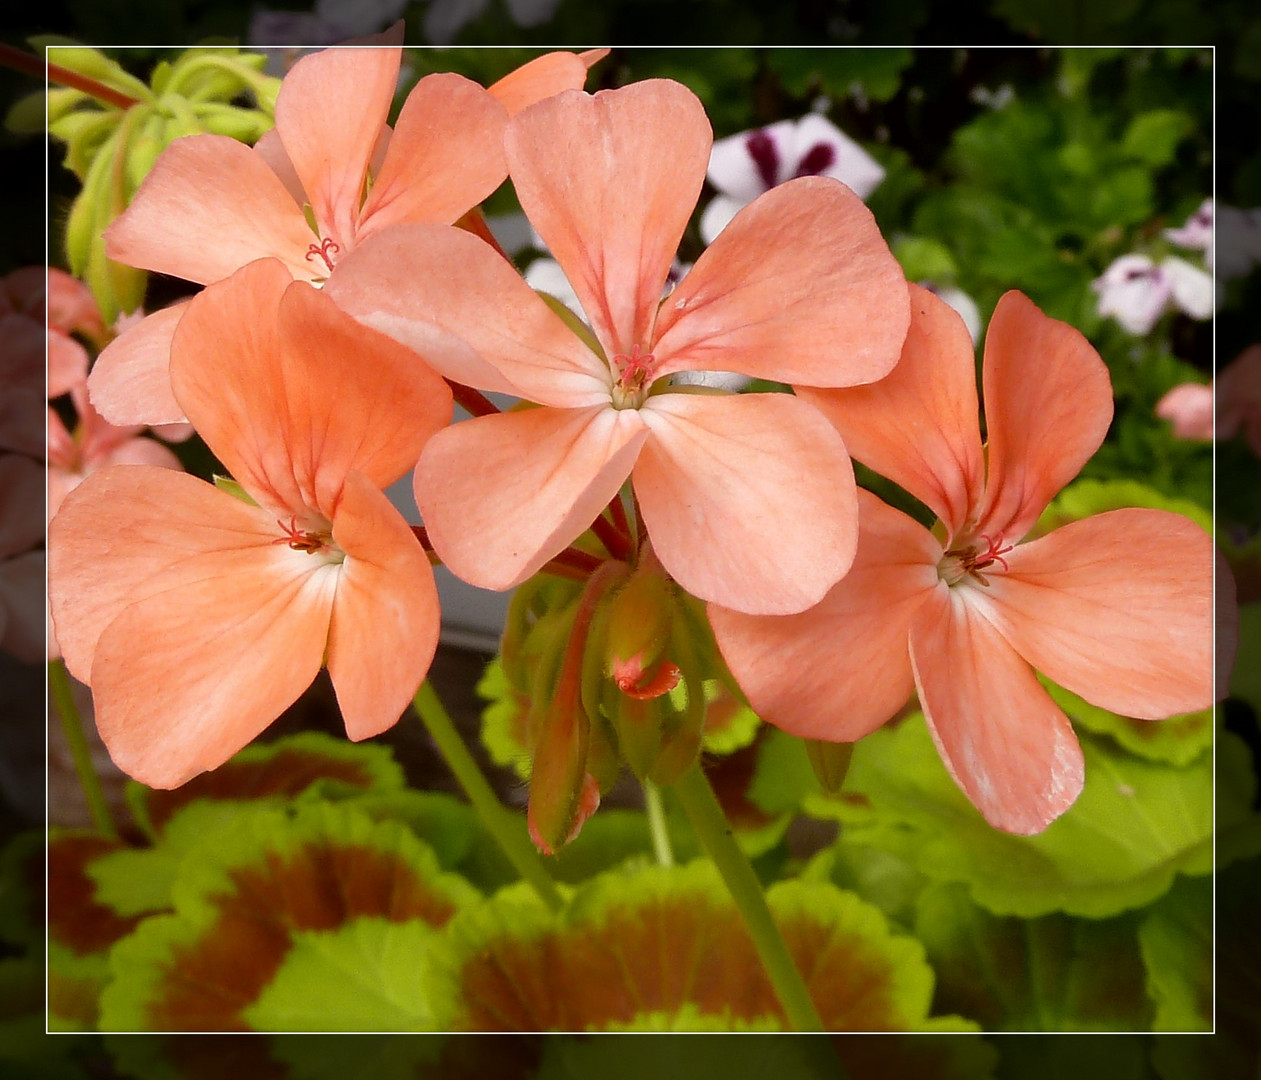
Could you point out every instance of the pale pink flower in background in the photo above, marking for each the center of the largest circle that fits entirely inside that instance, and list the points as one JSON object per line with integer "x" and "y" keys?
{"x": 1196, "y": 234}
{"x": 743, "y": 166}
{"x": 93, "y": 444}
{"x": 1189, "y": 407}
{"x": 1137, "y": 291}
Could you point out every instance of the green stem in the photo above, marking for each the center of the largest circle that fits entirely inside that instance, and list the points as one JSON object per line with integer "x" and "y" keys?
{"x": 714, "y": 833}
{"x": 72, "y": 725}
{"x": 657, "y": 824}
{"x": 507, "y": 828}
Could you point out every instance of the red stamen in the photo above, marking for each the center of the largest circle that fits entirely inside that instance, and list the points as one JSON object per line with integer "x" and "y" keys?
{"x": 634, "y": 371}
{"x": 324, "y": 250}
{"x": 298, "y": 539}
{"x": 972, "y": 562}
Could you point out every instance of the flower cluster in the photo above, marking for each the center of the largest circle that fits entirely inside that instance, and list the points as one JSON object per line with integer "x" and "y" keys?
{"x": 352, "y": 293}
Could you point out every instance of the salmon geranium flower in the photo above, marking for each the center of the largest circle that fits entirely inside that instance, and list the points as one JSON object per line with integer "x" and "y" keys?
{"x": 1117, "y": 608}
{"x": 748, "y": 500}
{"x": 197, "y": 616}
{"x": 330, "y": 173}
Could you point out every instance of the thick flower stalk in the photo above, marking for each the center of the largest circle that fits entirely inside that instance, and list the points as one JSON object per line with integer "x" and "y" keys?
{"x": 1117, "y": 608}
{"x": 197, "y": 617}
{"x": 748, "y": 500}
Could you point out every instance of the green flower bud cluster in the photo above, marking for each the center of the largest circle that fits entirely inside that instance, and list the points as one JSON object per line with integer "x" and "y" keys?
{"x": 618, "y": 670}
{"x": 110, "y": 147}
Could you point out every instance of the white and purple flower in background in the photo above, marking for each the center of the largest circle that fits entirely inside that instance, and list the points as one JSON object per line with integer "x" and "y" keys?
{"x": 1136, "y": 291}
{"x": 1197, "y": 233}
{"x": 743, "y": 166}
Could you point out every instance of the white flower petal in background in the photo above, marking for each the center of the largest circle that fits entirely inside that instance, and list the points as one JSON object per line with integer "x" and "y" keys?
{"x": 1197, "y": 233}
{"x": 546, "y": 276}
{"x": 962, "y": 303}
{"x": 743, "y": 166}
{"x": 1192, "y": 288}
{"x": 1133, "y": 291}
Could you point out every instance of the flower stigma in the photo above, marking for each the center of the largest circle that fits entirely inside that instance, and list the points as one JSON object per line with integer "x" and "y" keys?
{"x": 317, "y": 541}
{"x": 634, "y": 373}
{"x": 325, "y": 249}
{"x": 969, "y": 559}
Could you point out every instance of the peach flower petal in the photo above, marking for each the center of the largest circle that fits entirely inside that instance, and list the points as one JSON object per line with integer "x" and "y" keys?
{"x": 263, "y": 364}
{"x": 445, "y": 155}
{"x": 150, "y": 527}
{"x": 272, "y": 151}
{"x": 239, "y": 642}
{"x": 329, "y": 114}
{"x": 385, "y": 616}
{"x": 918, "y": 425}
{"x": 543, "y": 77}
{"x": 131, "y": 380}
{"x": 1117, "y": 608}
{"x": 1041, "y": 430}
{"x": 209, "y": 206}
{"x": 610, "y": 181}
{"x": 1005, "y": 742}
{"x": 469, "y": 314}
{"x": 541, "y": 477}
{"x": 848, "y": 659}
{"x": 800, "y": 288}
{"x": 749, "y": 500}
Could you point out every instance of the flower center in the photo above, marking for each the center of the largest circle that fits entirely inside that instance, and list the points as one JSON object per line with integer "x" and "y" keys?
{"x": 325, "y": 249}
{"x": 634, "y": 373}
{"x": 968, "y": 560}
{"x": 317, "y": 541}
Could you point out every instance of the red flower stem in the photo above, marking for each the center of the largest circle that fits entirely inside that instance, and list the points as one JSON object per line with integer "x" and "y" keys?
{"x": 24, "y": 62}
{"x": 475, "y": 403}
{"x": 618, "y": 512}
{"x": 614, "y": 542}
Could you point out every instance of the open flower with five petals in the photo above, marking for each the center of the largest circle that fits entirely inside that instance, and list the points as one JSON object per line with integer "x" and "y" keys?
{"x": 747, "y": 499}
{"x": 196, "y": 616}
{"x": 330, "y": 173}
{"x": 1116, "y": 608}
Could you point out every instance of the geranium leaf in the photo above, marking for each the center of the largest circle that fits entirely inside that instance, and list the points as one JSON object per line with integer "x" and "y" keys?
{"x": 1177, "y": 943}
{"x": 666, "y": 948}
{"x": 277, "y": 772}
{"x": 277, "y": 889}
{"x": 1136, "y": 824}
{"x": 1054, "y": 973}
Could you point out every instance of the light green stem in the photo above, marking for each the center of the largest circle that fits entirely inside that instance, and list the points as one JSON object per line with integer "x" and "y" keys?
{"x": 657, "y": 824}
{"x": 72, "y": 725}
{"x": 507, "y": 828}
{"x": 714, "y": 833}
